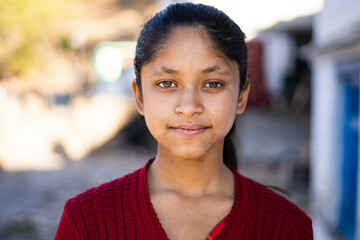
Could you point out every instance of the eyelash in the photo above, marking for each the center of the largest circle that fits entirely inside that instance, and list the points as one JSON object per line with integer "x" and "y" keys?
{"x": 218, "y": 84}
{"x": 161, "y": 84}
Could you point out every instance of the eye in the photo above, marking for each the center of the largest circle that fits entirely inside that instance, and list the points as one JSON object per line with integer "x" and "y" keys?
{"x": 166, "y": 84}
{"x": 213, "y": 85}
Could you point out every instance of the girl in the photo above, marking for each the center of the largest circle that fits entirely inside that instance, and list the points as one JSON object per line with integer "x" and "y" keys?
{"x": 191, "y": 63}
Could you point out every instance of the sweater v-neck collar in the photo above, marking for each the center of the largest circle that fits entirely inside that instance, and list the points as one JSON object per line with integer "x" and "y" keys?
{"x": 233, "y": 220}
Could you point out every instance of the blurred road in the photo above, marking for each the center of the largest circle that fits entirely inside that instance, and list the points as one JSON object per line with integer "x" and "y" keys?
{"x": 31, "y": 202}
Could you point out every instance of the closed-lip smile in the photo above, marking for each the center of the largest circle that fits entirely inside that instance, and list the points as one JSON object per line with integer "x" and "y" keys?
{"x": 189, "y": 130}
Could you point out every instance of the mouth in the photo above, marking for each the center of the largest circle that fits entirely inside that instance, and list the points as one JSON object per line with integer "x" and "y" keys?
{"x": 189, "y": 130}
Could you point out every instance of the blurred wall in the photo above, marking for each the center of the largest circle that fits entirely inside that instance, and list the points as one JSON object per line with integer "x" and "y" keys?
{"x": 335, "y": 116}
{"x": 337, "y": 17}
{"x": 279, "y": 53}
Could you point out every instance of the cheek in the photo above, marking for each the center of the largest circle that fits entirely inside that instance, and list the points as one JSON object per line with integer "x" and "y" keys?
{"x": 156, "y": 111}
{"x": 225, "y": 110}
{"x": 156, "y": 105}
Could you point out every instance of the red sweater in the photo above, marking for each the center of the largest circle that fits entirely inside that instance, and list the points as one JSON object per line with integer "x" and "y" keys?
{"x": 121, "y": 209}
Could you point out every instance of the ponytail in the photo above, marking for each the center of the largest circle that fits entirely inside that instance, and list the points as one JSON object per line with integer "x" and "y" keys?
{"x": 229, "y": 153}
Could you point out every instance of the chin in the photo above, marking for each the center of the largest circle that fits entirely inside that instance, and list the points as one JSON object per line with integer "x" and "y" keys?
{"x": 192, "y": 156}
{"x": 191, "y": 153}
{"x": 191, "y": 150}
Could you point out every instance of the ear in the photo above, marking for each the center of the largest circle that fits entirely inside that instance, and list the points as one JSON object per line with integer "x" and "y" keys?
{"x": 138, "y": 97}
{"x": 243, "y": 97}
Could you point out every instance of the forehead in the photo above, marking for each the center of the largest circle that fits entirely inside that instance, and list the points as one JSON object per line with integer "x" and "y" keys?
{"x": 196, "y": 35}
{"x": 189, "y": 48}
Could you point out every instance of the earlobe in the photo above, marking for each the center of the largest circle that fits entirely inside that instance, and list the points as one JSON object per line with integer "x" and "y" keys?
{"x": 243, "y": 99}
{"x": 138, "y": 97}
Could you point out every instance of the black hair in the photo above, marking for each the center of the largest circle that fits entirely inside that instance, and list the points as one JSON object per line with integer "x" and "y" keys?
{"x": 225, "y": 34}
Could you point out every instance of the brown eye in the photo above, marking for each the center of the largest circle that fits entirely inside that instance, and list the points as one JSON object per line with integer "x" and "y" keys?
{"x": 213, "y": 85}
{"x": 166, "y": 84}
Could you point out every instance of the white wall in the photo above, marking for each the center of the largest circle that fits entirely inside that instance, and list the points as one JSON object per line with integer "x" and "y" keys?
{"x": 279, "y": 51}
{"x": 336, "y": 18}
{"x": 326, "y": 139}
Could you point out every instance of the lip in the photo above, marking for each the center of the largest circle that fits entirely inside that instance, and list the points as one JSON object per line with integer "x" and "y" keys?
{"x": 189, "y": 130}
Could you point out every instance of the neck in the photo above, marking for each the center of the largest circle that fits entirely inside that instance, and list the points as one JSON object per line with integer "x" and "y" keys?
{"x": 189, "y": 177}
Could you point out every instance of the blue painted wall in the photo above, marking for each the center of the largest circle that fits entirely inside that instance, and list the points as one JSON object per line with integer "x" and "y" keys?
{"x": 347, "y": 217}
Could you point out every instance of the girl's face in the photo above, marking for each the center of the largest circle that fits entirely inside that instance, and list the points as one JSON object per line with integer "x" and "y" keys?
{"x": 190, "y": 95}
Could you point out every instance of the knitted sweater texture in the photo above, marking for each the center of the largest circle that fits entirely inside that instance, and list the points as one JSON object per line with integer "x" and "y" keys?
{"x": 121, "y": 209}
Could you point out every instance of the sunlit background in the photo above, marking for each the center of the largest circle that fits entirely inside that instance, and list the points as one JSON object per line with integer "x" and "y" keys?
{"x": 254, "y": 16}
{"x": 68, "y": 120}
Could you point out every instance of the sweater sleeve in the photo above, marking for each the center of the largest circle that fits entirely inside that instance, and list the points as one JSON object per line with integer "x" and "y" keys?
{"x": 66, "y": 230}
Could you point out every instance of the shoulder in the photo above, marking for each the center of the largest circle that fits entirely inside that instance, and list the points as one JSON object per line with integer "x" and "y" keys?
{"x": 268, "y": 197}
{"x": 276, "y": 210}
{"x": 99, "y": 209}
{"x": 102, "y": 196}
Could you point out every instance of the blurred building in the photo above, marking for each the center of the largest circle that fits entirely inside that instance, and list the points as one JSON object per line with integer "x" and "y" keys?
{"x": 335, "y": 54}
{"x": 258, "y": 94}
{"x": 286, "y": 72}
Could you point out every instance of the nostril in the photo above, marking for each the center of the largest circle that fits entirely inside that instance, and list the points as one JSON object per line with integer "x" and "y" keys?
{"x": 189, "y": 102}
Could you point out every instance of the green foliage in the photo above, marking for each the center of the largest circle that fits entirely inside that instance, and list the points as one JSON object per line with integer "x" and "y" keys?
{"x": 24, "y": 25}
{"x": 29, "y": 28}
{"x": 65, "y": 43}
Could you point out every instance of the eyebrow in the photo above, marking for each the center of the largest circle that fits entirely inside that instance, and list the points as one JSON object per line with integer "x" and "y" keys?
{"x": 211, "y": 69}
{"x": 164, "y": 69}
{"x": 216, "y": 68}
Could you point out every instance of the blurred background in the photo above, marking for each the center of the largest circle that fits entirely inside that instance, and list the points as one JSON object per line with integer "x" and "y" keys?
{"x": 68, "y": 120}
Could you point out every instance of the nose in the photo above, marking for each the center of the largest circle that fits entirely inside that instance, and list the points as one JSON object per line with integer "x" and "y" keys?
{"x": 189, "y": 103}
